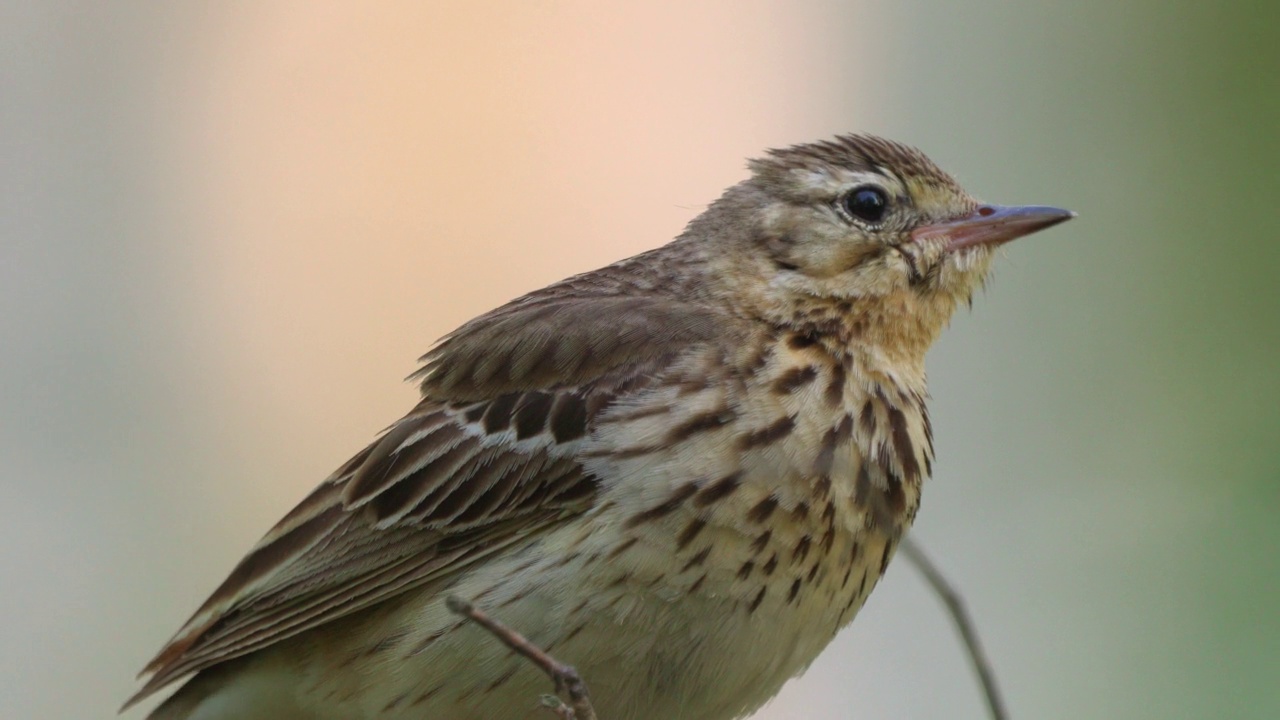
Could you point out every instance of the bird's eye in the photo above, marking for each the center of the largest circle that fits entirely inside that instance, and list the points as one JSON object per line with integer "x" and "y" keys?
{"x": 867, "y": 203}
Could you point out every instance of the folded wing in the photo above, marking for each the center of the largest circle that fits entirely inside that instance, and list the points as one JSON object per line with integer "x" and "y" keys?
{"x": 486, "y": 459}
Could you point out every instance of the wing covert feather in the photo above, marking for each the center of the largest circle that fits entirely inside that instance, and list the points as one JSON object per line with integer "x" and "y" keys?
{"x": 485, "y": 459}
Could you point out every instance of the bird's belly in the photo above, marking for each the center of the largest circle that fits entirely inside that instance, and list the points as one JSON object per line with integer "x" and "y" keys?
{"x": 647, "y": 640}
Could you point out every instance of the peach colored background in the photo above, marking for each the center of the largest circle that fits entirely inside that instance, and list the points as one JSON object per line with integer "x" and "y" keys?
{"x": 229, "y": 230}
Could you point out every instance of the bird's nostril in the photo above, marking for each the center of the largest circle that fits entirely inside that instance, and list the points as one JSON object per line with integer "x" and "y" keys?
{"x": 986, "y": 210}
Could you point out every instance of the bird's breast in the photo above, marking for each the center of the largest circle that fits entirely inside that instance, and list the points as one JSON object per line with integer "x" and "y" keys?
{"x": 774, "y": 484}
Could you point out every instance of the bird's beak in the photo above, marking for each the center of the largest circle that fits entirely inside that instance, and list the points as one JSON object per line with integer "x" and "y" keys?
{"x": 992, "y": 225}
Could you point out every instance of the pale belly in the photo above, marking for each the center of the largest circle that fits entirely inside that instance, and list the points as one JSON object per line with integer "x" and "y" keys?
{"x": 648, "y": 643}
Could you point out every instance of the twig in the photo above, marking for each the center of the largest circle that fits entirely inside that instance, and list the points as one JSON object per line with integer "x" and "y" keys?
{"x": 963, "y": 622}
{"x": 564, "y": 677}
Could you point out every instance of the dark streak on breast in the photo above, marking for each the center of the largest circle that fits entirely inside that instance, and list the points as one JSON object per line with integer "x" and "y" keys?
{"x": 802, "y": 549}
{"x": 666, "y": 507}
{"x": 763, "y": 509}
{"x": 718, "y": 490}
{"x": 894, "y": 497}
{"x": 867, "y": 418}
{"x": 833, "y": 438}
{"x": 903, "y": 446}
{"x": 690, "y": 531}
{"x": 801, "y": 340}
{"x": 768, "y": 435}
{"x": 794, "y": 379}
{"x": 621, "y": 548}
{"x": 697, "y": 560}
{"x": 835, "y": 386}
{"x": 700, "y": 423}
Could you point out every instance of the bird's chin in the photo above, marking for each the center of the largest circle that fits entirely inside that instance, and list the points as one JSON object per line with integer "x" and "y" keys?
{"x": 974, "y": 259}
{"x": 962, "y": 271}
{"x": 934, "y": 267}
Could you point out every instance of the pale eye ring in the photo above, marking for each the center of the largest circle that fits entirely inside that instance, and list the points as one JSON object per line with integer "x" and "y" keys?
{"x": 868, "y": 203}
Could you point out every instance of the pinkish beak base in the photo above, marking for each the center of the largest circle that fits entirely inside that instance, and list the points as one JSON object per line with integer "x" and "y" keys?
{"x": 992, "y": 225}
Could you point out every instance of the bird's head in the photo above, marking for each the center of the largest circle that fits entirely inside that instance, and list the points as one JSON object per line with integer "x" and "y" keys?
{"x": 868, "y": 226}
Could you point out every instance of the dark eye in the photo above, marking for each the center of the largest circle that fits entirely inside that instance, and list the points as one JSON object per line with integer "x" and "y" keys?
{"x": 868, "y": 203}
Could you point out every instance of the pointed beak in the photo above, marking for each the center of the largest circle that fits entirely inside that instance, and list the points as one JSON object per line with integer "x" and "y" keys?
{"x": 992, "y": 225}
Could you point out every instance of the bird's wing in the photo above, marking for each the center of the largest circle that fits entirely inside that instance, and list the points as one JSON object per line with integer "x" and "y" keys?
{"x": 488, "y": 457}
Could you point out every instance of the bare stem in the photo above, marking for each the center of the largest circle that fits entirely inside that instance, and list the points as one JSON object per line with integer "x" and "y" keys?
{"x": 564, "y": 677}
{"x": 963, "y": 622}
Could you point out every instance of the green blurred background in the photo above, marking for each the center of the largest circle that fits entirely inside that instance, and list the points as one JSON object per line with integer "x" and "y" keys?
{"x": 228, "y": 231}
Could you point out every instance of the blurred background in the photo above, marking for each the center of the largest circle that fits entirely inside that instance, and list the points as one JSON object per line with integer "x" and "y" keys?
{"x": 229, "y": 230}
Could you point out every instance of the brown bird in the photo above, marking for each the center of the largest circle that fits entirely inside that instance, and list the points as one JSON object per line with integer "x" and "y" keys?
{"x": 682, "y": 473}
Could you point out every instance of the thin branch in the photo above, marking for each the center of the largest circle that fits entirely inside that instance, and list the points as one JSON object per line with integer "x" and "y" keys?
{"x": 963, "y": 622}
{"x": 564, "y": 677}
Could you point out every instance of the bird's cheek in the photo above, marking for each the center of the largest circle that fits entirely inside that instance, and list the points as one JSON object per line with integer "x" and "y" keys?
{"x": 877, "y": 276}
{"x": 822, "y": 259}
{"x": 904, "y": 266}
{"x": 856, "y": 257}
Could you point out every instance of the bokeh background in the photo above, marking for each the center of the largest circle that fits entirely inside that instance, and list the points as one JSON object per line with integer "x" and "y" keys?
{"x": 228, "y": 230}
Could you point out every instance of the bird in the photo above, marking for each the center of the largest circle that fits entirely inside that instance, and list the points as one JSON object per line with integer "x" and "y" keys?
{"x": 682, "y": 473}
